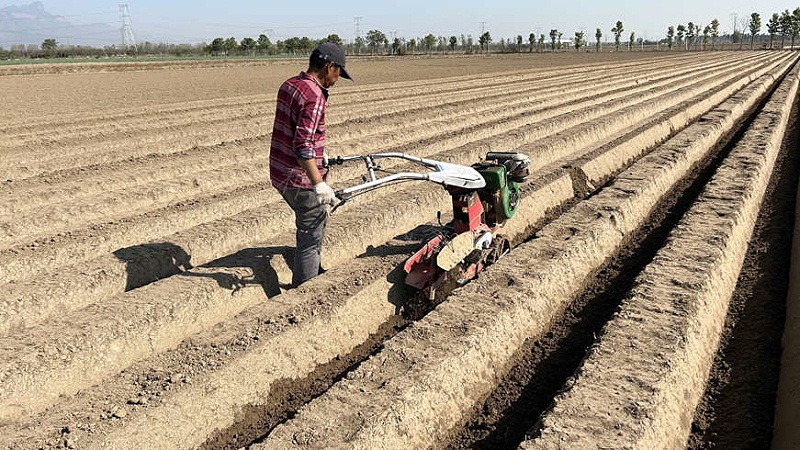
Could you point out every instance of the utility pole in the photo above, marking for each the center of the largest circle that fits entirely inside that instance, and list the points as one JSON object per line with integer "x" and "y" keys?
{"x": 127, "y": 30}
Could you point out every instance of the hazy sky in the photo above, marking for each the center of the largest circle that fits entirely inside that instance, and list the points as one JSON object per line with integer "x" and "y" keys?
{"x": 192, "y": 21}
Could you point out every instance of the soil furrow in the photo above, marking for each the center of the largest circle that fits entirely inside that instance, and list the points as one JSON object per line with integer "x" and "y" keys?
{"x": 350, "y": 95}
{"x": 742, "y": 402}
{"x": 543, "y": 367}
{"x": 112, "y": 206}
{"x": 226, "y": 377}
{"x": 23, "y": 196}
{"x": 652, "y": 360}
{"x": 115, "y": 273}
{"x": 20, "y": 263}
{"x": 415, "y": 391}
{"x": 108, "y": 151}
{"x": 472, "y": 108}
{"x": 112, "y": 336}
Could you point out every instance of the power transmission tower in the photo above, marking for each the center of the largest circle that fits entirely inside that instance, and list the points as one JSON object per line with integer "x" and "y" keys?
{"x": 127, "y": 31}
{"x": 357, "y": 21}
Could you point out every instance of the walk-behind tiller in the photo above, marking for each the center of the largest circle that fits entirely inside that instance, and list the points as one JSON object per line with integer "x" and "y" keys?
{"x": 484, "y": 195}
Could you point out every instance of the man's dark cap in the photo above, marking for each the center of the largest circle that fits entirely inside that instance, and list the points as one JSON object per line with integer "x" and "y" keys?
{"x": 328, "y": 51}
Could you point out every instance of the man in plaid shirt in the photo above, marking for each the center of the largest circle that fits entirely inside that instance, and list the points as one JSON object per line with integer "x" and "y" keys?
{"x": 297, "y": 159}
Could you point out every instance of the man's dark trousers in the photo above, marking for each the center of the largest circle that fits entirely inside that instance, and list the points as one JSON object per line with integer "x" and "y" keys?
{"x": 311, "y": 218}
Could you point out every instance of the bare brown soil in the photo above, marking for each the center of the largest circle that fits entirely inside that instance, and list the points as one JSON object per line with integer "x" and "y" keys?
{"x": 738, "y": 408}
{"x": 145, "y": 258}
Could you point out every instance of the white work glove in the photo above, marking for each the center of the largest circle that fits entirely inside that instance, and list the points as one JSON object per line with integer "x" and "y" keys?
{"x": 325, "y": 194}
{"x": 325, "y": 161}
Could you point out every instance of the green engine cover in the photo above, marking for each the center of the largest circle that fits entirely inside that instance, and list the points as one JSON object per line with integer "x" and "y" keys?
{"x": 495, "y": 177}
{"x": 500, "y": 192}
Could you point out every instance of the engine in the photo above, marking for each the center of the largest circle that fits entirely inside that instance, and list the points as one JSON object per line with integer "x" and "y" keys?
{"x": 503, "y": 172}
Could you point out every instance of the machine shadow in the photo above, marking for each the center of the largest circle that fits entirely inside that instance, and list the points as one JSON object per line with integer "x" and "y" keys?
{"x": 405, "y": 244}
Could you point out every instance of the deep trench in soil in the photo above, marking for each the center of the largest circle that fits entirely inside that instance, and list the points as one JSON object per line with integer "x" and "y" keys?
{"x": 738, "y": 406}
{"x": 542, "y": 367}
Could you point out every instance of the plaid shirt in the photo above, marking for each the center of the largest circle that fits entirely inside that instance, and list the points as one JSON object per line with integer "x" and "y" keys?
{"x": 298, "y": 132}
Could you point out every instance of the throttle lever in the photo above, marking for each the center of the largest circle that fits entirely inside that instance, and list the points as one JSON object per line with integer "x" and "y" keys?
{"x": 342, "y": 201}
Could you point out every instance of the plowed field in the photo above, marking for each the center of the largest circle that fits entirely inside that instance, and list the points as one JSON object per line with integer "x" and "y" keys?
{"x": 144, "y": 257}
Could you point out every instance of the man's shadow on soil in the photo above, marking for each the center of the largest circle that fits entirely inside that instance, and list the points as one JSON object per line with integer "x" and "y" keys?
{"x": 260, "y": 260}
{"x": 147, "y": 263}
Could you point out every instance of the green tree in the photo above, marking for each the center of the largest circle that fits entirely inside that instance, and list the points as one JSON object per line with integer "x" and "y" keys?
{"x": 248, "y": 45}
{"x": 333, "y": 38}
{"x": 306, "y": 44}
{"x": 359, "y": 43}
{"x": 376, "y": 41}
{"x": 670, "y": 36}
{"x": 430, "y": 42}
{"x": 617, "y": 30}
{"x": 714, "y": 33}
{"x": 691, "y": 35}
{"x": 397, "y": 44}
{"x": 631, "y": 40}
{"x": 484, "y": 40}
{"x": 531, "y": 41}
{"x": 217, "y": 47}
{"x": 264, "y": 45}
{"x": 231, "y": 46}
{"x": 540, "y": 43}
{"x": 553, "y": 38}
{"x": 441, "y": 43}
{"x": 412, "y": 45}
{"x": 680, "y": 33}
{"x": 519, "y": 43}
{"x": 453, "y": 43}
{"x": 293, "y": 45}
{"x": 49, "y": 45}
{"x": 755, "y": 28}
{"x": 597, "y": 35}
{"x": 579, "y": 40}
{"x": 706, "y": 34}
{"x": 786, "y": 23}
{"x": 773, "y": 27}
{"x": 794, "y": 30}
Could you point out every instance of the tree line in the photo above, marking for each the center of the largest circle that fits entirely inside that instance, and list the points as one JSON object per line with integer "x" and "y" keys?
{"x": 691, "y": 36}
{"x": 698, "y": 37}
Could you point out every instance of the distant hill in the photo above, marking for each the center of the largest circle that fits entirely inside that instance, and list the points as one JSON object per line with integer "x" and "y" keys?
{"x": 31, "y": 24}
